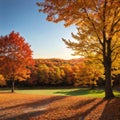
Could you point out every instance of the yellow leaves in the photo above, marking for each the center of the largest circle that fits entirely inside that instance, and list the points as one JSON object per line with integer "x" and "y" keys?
{"x": 89, "y": 15}
{"x": 2, "y": 81}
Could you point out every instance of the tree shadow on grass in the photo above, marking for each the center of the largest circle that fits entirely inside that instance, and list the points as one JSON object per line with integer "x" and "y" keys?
{"x": 82, "y": 103}
{"x": 42, "y": 102}
{"x": 111, "y": 110}
{"x": 83, "y": 115}
{"x": 79, "y": 92}
{"x": 31, "y": 109}
{"x": 26, "y": 116}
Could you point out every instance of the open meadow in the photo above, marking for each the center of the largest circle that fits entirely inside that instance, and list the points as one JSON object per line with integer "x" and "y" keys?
{"x": 58, "y": 104}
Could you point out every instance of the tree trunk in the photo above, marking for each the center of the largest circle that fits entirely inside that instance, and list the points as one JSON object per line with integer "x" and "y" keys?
{"x": 108, "y": 65}
{"x": 13, "y": 84}
{"x": 108, "y": 87}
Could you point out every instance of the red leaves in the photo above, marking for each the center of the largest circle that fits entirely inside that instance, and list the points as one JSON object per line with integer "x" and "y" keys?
{"x": 15, "y": 55}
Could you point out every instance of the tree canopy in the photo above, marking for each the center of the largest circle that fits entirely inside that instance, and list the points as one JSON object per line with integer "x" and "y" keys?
{"x": 98, "y": 24}
{"x": 15, "y": 57}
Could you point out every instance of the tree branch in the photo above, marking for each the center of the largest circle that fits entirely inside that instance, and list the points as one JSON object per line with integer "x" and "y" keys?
{"x": 100, "y": 60}
{"x": 115, "y": 48}
{"x": 114, "y": 44}
{"x": 116, "y": 31}
{"x": 112, "y": 25}
{"x": 92, "y": 24}
{"x": 115, "y": 57}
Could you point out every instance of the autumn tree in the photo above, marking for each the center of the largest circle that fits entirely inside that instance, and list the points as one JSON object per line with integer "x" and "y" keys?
{"x": 2, "y": 81}
{"x": 15, "y": 57}
{"x": 98, "y": 24}
{"x": 69, "y": 74}
{"x": 43, "y": 74}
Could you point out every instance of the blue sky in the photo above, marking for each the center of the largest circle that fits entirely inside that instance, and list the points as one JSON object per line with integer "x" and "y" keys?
{"x": 44, "y": 37}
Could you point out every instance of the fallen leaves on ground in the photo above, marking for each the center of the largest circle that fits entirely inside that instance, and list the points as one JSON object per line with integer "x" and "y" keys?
{"x": 15, "y": 106}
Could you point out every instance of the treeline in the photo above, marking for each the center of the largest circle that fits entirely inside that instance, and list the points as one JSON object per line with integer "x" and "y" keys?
{"x": 58, "y": 72}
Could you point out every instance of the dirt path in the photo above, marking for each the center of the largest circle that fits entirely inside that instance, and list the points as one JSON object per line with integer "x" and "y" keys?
{"x": 36, "y": 107}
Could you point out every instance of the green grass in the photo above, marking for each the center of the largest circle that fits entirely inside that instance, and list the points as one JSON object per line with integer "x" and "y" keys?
{"x": 97, "y": 93}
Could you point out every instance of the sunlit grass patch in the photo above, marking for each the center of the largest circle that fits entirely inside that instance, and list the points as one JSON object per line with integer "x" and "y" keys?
{"x": 96, "y": 93}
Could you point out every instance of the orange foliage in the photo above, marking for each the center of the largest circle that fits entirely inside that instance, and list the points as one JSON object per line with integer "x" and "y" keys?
{"x": 15, "y": 56}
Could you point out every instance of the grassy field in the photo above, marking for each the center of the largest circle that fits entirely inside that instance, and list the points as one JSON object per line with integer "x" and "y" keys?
{"x": 97, "y": 93}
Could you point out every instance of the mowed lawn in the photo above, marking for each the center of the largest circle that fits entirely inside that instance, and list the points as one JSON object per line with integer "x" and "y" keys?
{"x": 86, "y": 92}
{"x": 58, "y": 104}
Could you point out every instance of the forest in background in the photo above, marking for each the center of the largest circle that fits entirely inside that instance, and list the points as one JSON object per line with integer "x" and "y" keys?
{"x": 80, "y": 72}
